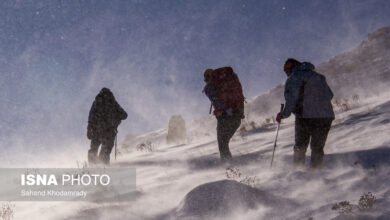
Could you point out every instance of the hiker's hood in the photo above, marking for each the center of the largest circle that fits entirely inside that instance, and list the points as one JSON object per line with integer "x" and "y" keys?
{"x": 305, "y": 66}
{"x": 105, "y": 94}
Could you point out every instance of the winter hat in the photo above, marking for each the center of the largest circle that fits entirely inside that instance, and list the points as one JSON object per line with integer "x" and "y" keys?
{"x": 290, "y": 64}
{"x": 105, "y": 93}
{"x": 105, "y": 90}
{"x": 206, "y": 74}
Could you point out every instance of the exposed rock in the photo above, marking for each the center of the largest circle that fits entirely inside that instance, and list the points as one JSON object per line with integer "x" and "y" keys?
{"x": 177, "y": 133}
{"x": 221, "y": 198}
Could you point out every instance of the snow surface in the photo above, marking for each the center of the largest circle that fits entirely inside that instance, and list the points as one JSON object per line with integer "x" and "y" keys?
{"x": 170, "y": 178}
{"x": 188, "y": 181}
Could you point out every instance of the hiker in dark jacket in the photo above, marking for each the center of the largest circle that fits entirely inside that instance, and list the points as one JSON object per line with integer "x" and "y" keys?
{"x": 104, "y": 118}
{"x": 224, "y": 90}
{"x": 308, "y": 97}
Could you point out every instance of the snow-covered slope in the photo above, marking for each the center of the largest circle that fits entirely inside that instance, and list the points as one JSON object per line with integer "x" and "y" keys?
{"x": 189, "y": 182}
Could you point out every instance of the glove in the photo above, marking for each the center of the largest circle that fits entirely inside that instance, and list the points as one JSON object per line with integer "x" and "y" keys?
{"x": 279, "y": 117}
{"x": 229, "y": 111}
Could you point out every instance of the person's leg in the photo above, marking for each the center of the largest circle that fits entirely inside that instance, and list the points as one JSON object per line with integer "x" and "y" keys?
{"x": 302, "y": 138}
{"x": 233, "y": 124}
{"x": 226, "y": 128}
{"x": 107, "y": 145}
{"x": 92, "y": 153}
{"x": 320, "y": 130}
{"x": 223, "y": 139}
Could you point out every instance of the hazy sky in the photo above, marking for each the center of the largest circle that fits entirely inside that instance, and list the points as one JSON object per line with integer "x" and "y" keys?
{"x": 56, "y": 55}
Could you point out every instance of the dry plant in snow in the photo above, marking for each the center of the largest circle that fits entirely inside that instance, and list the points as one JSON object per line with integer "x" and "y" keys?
{"x": 146, "y": 146}
{"x": 7, "y": 211}
{"x": 367, "y": 201}
{"x": 344, "y": 207}
{"x": 234, "y": 173}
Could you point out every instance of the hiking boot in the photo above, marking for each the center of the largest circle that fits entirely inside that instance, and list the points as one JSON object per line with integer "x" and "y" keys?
{"x": 92, "y": 157}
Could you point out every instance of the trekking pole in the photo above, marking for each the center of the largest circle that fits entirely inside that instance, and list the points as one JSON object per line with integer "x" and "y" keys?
{"x": 211, "y": 108}
{"x": 276, "y": 137}
{"x": 116, "y": 135}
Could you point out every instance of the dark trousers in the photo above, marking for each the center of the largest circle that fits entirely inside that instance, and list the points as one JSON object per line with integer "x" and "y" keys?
{"x": 105, "y": 151}
{"x": 226, "y": 127}
{"x": 314, "y": 130}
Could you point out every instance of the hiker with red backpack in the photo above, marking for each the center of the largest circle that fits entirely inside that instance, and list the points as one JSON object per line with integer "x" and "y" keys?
{"x": 308, "y": 97}
{"x": 224, "y": 90}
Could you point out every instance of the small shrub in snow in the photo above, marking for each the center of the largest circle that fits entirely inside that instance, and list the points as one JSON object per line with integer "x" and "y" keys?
{"x": 146, "y": 146}
{"x": 267, "y": 123}
{"x": 234, "y": 173}
{"x": 249, "y": 180}
{"x": 343, "y": 207}
{"x": 253, "y": 124}
{"x": 82, "y": 164}
{"x": 243, "y": 130}
{"x": 7, "y": 211}
{"x": 243, "y": 127}
{"x": 346, "y": 104}
{"x": 342, "y": 105}
{"x": 367, "y": 201}
{"x": 247, "y": 126}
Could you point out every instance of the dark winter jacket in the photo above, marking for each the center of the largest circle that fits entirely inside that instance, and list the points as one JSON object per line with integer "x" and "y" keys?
{"x": 105, "y": 115}
{"x": 214, "y": 93}
{"x": 307, "y": 94}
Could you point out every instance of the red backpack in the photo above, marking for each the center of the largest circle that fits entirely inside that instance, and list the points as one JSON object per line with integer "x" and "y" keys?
{"x": 230, "y": 87}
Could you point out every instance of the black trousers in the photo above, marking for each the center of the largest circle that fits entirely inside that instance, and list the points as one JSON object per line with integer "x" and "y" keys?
{"x": 315, "y": 131}
{"x": 226, "y": 127}
{"x": 105, "y": 151}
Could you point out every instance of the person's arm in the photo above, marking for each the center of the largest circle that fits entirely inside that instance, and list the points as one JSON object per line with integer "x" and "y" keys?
{"x": 291, "y": 94}
{"x": 123, "y": 113}
{"x": 213, "y": 94}
{"x": 91, "y": 112}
